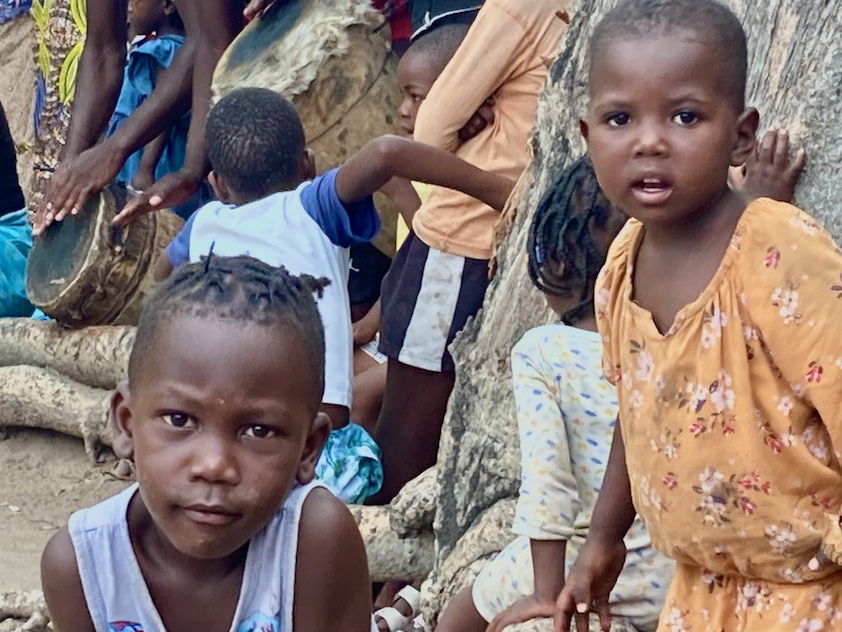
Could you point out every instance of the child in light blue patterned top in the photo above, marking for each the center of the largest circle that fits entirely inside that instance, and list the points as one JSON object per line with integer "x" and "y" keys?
{"x": 566, "y": 411}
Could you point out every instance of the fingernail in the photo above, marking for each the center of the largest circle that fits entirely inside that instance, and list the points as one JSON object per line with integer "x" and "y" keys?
{"x": 50, "y": 217}
{"x": 581, "y": 608}
{"x": 49, "y": 206}
{"x": 74, "y": 211}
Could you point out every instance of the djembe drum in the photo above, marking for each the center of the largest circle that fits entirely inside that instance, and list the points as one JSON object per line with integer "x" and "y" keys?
{"x": 83, "y": 271}
{"x": 331, "y": 60}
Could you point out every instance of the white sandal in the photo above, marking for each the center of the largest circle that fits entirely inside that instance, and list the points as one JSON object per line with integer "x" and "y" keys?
{"x": 411, "y": 596}
{"x": 393, "y": 618}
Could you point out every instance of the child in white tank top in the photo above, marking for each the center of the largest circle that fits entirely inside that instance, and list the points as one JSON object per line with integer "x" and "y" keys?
{"x": 226, "y": 529}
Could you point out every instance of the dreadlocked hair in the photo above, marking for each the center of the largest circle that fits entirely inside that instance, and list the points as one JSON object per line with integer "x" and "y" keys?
{"x": 563, "y": 258}
{"x": 241, "y": 289}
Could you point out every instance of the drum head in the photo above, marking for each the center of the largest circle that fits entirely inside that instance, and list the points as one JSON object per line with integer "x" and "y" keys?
{"x": 59, "y": 255}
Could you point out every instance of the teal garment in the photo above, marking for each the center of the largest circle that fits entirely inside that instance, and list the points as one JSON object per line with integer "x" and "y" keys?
{"x": 349, "y": 464}
{"x": 15, "y": 243}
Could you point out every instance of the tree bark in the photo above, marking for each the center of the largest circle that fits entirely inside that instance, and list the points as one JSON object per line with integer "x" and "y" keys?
{"x": 94, "y": 356}
{"x": 795, "y": 74}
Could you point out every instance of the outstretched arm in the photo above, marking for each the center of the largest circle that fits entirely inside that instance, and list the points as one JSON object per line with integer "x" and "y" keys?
{"x": 63, "y": 586}
{"x": 392, "y": 156}
{"x": 332, "y": 585}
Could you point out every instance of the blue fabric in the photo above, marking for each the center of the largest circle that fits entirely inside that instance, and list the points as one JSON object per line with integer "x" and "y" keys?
{"x": 12, "y": 8}
{"x": 15, "y": 242}
{"x": 349, "y": 464}
{"x": 139, "y": 77}
{"x": 343, "y": 224}
{"x": 178, "y": 251}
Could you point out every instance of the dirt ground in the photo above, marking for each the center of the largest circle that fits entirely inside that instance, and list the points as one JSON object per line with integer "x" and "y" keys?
{"x": 44, "y": 477}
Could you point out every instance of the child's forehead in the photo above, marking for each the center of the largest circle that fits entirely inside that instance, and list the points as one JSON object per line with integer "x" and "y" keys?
{"x": 655, "y": 55}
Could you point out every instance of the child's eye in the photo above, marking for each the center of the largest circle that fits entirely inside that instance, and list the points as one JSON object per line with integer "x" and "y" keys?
{"x": 618, "y": 120}
{"x": 260, "y": 432}
{"x": 179, "y": 420}
{"x": 685, "y": 118}
{"x": 417, "y": 98}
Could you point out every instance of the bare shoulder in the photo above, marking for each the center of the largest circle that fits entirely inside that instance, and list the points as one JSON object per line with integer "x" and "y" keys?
{"x": 332, "y": 586}
{"x": 63, "y": 586}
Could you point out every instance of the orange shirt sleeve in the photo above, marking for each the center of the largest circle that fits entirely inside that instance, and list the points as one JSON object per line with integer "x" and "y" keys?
{"x": 493, "y": 49}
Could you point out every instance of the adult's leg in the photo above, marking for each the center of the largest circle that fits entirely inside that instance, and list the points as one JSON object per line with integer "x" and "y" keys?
{"x": 409, "y": 427}
{"x": 461, "y": 615}
{"x": 367, "y": 399}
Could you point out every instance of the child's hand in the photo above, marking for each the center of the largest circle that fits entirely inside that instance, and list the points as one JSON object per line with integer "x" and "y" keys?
{"x": 766, "y": 172}
{"x": 589, "y": 585}
{"x": 364, "y": 331}
{"x": 481, "y": 119}
{"x": 522, "y": 610}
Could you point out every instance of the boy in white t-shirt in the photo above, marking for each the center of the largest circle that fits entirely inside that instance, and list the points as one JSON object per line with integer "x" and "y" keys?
{"x": 272, "y": 207}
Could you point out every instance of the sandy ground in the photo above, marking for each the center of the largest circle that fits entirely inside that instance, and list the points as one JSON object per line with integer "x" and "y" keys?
{"x": 44, "y": 477}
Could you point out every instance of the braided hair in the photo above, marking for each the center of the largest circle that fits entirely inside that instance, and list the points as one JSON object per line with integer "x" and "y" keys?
{"x": 563, "y": 258}
{"x": 241, "y": 289}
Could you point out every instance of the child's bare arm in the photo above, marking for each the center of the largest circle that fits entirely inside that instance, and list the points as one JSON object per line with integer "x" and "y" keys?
{"x": 63, "y": 586}
{"x": 601, "y": 560}
{"x": 402, "y": 193}
{"x": 387, "y": 157}
{"x": 332, "y": 587}
{"x": 163, "y": 268}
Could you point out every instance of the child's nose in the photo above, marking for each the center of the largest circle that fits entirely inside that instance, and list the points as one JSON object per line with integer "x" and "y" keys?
{"x": 405, "y": 109}
{"x": 650, "y": 139}
{"x": 213, "y": 461}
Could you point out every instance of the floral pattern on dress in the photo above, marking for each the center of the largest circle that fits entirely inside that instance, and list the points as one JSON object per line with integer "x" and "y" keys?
{"x": 732, "y": 424}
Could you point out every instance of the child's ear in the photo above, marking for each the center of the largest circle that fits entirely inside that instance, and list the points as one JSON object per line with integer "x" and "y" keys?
{"x": 583, "y": 128}
{"x": 121, "y": 422}
{"x": 319, "y": 430}
{"x": 747, "y": 124}
{"x": 308, "y": 164}
{"x": 220, "y": 187}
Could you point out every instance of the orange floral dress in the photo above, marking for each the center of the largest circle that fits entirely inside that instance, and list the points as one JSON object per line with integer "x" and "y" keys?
{"x": 732, "y": 425}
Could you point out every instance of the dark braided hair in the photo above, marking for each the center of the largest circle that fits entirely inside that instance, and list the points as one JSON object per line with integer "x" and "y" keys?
{"x": 563, "y": 258}
{"x": 241, "y": 289}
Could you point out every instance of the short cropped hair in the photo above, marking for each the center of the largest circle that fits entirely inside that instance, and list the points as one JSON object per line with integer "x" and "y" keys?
{"x": 711, "y": 20}
{"x": 255, "y": 141}
{"x": 439, "y": 44}
{"x": 241, "y": 289}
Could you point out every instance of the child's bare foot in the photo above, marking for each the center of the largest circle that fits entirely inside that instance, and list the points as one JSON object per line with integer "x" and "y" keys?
{"x": 398, "y": 617}
{"x": 766, "y": 173}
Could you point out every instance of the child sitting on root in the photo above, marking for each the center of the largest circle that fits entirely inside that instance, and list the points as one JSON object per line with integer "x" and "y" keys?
{"x": 226, "y": 528}
{"x": 273, "y": 207}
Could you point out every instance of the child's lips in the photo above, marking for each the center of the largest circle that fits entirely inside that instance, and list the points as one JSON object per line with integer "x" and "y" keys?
{"x": 212, "y": 515}
{"x": 651, "y": 191}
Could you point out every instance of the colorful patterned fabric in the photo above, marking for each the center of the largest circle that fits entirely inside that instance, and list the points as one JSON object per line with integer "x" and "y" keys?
{"x": 732, "y": 426}
{"x": 349, "y": 464}
{"x": 566, "y": 412}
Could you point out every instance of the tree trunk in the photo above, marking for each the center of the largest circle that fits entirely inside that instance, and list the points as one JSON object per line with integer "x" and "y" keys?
{"x": 795, "y": 74}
